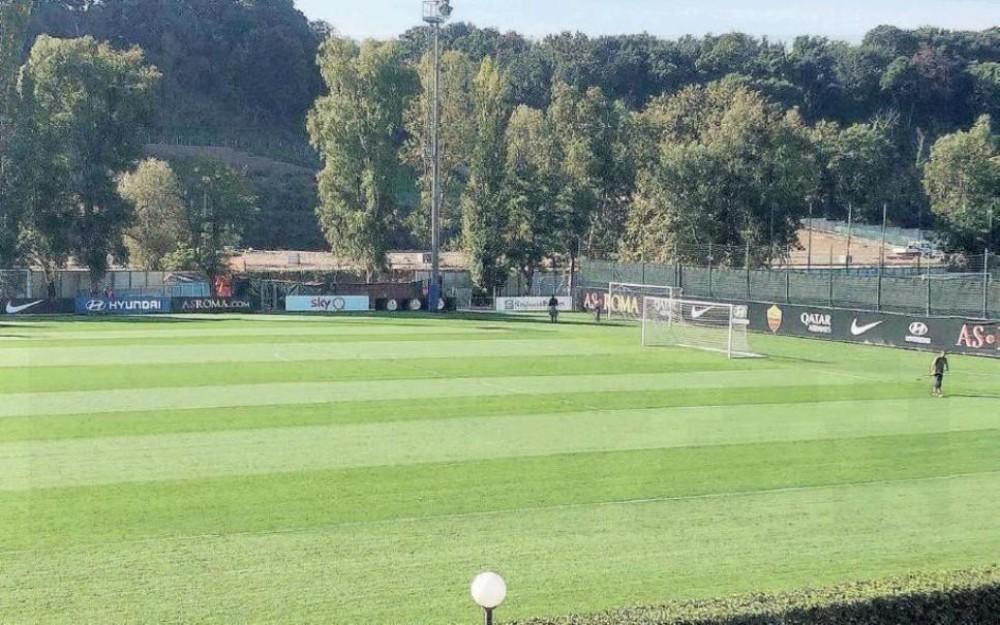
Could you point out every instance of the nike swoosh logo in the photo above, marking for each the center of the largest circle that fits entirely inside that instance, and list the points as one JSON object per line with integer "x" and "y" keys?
{"x": 857, "y": 330}
{"x": 13, "y": 310}
{"x": 698, "y": 313}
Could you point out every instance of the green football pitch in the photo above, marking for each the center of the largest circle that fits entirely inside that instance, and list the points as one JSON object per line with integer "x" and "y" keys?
{"x": 361, "y": 470}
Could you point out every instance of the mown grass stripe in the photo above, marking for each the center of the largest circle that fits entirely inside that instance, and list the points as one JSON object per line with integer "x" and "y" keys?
{"x": 55, "y": 427}
{"x": 636, "y": 554}
{"x": 89, "y": 378}
{"x": 46, "y": 464}
{"x": 233, "y": 354}
{"x": 25, "y": 404}
{"x": 304, "y": 500}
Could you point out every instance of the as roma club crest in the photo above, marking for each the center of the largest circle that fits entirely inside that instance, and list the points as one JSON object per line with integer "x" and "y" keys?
{"x": 774, "y": 316}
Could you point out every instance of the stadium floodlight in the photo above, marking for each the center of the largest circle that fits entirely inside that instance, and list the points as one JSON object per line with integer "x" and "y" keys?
{"x": 488, "y": 591}
{"x": 436, "y": 12}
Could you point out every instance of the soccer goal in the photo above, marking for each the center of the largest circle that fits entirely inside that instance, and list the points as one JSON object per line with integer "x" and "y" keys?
{"x": 625, "y": 299}
{"x": 710, "y": 326}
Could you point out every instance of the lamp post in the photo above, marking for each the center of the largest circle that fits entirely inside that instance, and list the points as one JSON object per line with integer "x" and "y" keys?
{"x": 436, "y": 12}
{"x": 488, "y": 591}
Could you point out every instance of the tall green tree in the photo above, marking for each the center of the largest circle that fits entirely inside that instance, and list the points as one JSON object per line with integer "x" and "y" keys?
{"x": 962, "y": 179}
{"x": 530, "y": 191}
{"x": 159, "y": 219}
{"x": 14, "y": 15}
{"x": 457, "y": 124}
{"x": 219, "y": 204}
{"x": 484, "y": 210}
{"x": 594, "y": 144}
{"x": 87, "y": 102}
{"x": 858, "y": 169}
{"x": 731, "y": 171}
{"x": 357, "y": 129}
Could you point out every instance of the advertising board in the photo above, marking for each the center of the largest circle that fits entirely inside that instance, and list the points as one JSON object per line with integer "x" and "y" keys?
{"x": 210, "y": 305}
{"x": 135, "y": 305}
{"x": 327, "y": 303}
{"x": 966, "y": 336}
{"x": 531, "y": 304}
{"x": 36, "y": 306}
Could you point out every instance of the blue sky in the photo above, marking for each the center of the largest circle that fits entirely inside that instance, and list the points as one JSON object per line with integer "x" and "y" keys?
{"x": 781, "y": 19}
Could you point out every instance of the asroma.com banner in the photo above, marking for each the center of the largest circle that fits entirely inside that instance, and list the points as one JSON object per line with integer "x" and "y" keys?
{"x": 36, "y": 307}
{"x": 327, "y": 303}
{"x": 965, "y": 336}
{"x": 210, "y": 305}
{"x": 122, "y": 306}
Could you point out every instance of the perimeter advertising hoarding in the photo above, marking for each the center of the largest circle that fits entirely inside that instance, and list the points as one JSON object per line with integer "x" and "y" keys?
{"x": 210, "y": 305}
{"x": 139, "y": 305}
{"x": 531, "y": 304}
{"x": 36, "y": 306}
{"x": 623, "y": 304}
{"x": 327, "y": 303}
{"x": 965, "y": 336}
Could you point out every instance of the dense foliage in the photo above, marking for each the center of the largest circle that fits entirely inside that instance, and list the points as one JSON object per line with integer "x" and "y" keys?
{"x": 621, "y": 145}
{"x": 951, "y": 598}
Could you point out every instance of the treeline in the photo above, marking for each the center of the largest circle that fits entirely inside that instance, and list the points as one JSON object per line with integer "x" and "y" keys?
{"x": 725, "y": 166}
{"x": 631, "y": 146}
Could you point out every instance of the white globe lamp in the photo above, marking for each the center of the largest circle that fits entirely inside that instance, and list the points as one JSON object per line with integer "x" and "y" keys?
{"x": 488, "y": 591}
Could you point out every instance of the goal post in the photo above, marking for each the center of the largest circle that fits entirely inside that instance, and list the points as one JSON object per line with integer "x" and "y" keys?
{"x": 710, "y": 326}
{"x": 624, "y": 299}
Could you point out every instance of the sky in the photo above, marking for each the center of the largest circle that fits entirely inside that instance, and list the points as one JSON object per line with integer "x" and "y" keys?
{"x": 778, "y": 19}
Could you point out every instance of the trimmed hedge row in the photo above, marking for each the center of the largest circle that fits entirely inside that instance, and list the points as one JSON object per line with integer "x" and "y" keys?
{"x": 970, "y": 597}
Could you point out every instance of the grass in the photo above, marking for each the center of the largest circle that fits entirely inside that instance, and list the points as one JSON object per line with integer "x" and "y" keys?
{"x": 362, "y": 469}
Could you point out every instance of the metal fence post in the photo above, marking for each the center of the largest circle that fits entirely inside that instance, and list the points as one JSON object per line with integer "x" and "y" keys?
{"x": 928, "y": 278}
{"x": 830, "y": 269}
{"x": 746, "y": 261}
{"x": 986, "y": 284}
{"x": 788, "y": 287}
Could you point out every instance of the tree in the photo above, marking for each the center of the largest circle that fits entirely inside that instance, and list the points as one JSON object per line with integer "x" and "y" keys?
{"x": 457, "y": 133}
{"x": 483, "y": 207}
{"x": 858, "y": 165}
{"x": 14, "y": 16}
{"x": 962, "y": 179}
{"x": 159, "y": 221}
{"x": 357, "y": 129}
{"x": 87, "y": 102}
{"x": 219, "y": 204}
{"x": 731, "y": 171}
{"x": 529, "y": 180}
{"x": 593, "y": 147}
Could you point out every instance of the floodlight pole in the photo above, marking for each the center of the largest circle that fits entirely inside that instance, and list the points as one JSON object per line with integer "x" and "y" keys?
{"x": 435, "y": 13}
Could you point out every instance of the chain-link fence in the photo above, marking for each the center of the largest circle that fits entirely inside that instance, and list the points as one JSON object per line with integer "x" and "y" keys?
{"x": 69, "y": 283}
{"x": 943, "y": 293}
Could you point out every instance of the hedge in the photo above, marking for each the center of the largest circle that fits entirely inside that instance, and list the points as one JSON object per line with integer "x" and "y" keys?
{"x": 970, "y": 597}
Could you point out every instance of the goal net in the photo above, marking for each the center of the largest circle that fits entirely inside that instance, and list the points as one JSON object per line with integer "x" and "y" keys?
{"x": 625, "y": 299}
{"x": 709, "y": 326}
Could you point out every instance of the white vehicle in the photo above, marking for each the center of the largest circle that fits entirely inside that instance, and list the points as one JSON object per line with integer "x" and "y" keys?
{"x": 916, "y": 248}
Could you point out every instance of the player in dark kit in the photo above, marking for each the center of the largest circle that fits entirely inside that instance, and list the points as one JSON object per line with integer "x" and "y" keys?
{"x": 553, "y": 309}
{"x": 938, "y": 369}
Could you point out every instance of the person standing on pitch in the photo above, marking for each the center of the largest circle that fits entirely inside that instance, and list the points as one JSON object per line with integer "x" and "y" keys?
{"x": 938, "y": 369}
{"x": 553, "y": 309}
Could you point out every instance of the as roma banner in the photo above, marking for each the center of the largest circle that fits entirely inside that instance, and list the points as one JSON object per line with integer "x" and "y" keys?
{"x": 623, "y": 304}
{"x": 966, "y": 336}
